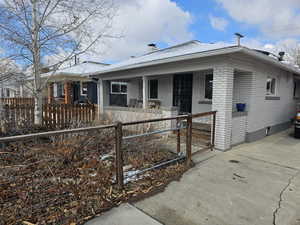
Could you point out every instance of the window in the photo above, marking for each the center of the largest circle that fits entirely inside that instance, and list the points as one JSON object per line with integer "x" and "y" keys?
{"x": 271, "y": 86}
{"x": 296, "y": 89}
{"x": 208, "y": 86}
{"x": 153, "y": 89}
{"x": 7, "y": 93}
{"x": 58, "y": 90}
{"x": 83, "y": 88}
{"x": 118, "y": 88}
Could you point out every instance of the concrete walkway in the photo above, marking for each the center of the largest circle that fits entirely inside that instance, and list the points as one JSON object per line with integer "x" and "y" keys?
{"x": 253, "y": 184}
{"x": 125, "y": 214}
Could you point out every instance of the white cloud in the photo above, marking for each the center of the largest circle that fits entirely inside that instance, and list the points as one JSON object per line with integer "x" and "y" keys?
{"x": 276, "y": 18}
{"x": 141, "y": 22}
{"x": 218, "y": 23}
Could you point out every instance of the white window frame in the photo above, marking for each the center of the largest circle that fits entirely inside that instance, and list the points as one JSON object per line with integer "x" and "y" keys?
{"x": 81, "y": 88}
{"x": 120, "y": 84}
{"x": 149, "y": 89}
{"x": 205, "y": 76}
{"x": 270, "y": 79}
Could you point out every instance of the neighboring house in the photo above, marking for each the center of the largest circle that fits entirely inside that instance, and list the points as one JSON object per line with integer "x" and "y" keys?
{"x": 11, "y": 88}
{"x": 195, "y": 77}
{"x": 8, "y": 92}
{"x": 72, "y": 85}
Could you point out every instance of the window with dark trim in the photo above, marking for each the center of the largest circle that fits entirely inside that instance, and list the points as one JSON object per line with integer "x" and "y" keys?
{"x": 153, "y": 89}
{"x": 118, "y": 88}
{"x": 208, "y": 86}
{"x": 271, "y": 86}
{"x": 60, "y": 90}
{"x": 296, "y": 89}
{"x": 83, "y": 88}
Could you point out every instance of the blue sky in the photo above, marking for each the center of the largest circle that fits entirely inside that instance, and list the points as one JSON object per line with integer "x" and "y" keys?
{"x": 201, "y": 26}
{"x": 203, "y": 10}
{"x": 270, "y": 24}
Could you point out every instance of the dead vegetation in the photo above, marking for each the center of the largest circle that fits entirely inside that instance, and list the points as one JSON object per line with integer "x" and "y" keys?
{"x": 69, "y": 179}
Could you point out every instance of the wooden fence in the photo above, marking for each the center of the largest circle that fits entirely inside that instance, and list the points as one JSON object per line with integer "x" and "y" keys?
{"x": 54, "y": 115}
{"x": 62, "y": 115}
{"x": 17, "y": 101}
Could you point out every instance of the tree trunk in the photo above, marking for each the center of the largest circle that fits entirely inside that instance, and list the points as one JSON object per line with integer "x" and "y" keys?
{"x": 38, "y": 109}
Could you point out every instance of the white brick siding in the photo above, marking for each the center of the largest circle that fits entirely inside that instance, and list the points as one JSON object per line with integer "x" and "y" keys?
{"x": 238, "y": 129}
{"x": 222, "y": 102}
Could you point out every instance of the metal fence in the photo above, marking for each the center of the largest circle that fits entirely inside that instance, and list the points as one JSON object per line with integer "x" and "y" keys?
{"x": 67, "y": 176}
{"x": 183, "y": 127}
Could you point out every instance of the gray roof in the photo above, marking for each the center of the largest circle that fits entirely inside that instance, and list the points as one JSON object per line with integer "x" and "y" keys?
{"x": 191, "y": 50}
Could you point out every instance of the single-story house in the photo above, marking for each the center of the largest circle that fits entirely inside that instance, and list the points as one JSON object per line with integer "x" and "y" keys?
{"x": 196, "y": 77}
{"x": 9, "y": 91}
{"x": 11, "y": 88}
{"x": 72, "y": 85}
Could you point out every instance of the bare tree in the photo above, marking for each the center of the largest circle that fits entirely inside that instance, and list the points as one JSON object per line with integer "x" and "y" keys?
{"x": 294, "y": 54}
{"x": 34, "y": 29}
{"x": 8, "y": 70}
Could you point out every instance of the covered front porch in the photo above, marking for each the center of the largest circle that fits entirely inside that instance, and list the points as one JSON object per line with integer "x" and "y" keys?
{"x": 218, "y": 88}
{"x": 66, "y": 91}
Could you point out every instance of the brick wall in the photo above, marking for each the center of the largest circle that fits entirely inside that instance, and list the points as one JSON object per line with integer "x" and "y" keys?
{"x": 222, "y": 102}
{"x": 238, "y": 129}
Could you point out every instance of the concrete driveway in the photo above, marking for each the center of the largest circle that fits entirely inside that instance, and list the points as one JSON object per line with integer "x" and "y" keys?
{"x": 253, "y": 184}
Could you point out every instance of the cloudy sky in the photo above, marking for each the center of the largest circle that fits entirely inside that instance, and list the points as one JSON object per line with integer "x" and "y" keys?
{"x": 270, "y": 24}
{"x": 265, "y": 23}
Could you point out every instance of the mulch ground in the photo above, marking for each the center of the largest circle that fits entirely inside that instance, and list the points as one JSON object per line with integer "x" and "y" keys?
{"x": 65, "y": 181}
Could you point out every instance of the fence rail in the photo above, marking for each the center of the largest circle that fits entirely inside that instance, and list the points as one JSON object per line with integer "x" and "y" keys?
{"x": 54, "y": 115}
{"x": 17, "y": 101}
{"x": 119, "y": 138}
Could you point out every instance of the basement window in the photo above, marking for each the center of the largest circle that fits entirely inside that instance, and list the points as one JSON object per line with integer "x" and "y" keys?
{"x": 118, "y": 88}
{"x": 271, "y": 87}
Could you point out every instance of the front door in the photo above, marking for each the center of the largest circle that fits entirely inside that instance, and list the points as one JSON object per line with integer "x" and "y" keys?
{"x": 182, "y": 92}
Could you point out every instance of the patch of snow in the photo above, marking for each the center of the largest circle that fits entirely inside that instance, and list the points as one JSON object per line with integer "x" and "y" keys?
{"x": 107, "y": 157}
{"x": 131, "y": 176}
{"x": 286, "y": 62}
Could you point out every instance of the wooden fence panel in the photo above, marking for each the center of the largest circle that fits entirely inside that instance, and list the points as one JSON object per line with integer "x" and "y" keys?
{"x": 54, "y": 115}
{"x": 17, "y": 101}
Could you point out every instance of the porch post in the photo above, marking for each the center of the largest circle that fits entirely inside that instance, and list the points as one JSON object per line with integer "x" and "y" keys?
{"x": 145, "y": 92}
{"x": 100, "y": 102}
{"x": 50, "y": 93}
{"x": 68, "y": 95}
{"x": 222, "y": 102}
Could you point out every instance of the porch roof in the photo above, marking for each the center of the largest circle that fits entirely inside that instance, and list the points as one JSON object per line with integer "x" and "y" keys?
{"x": 79, "y": 72}
{"x": 191, "y": 50}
